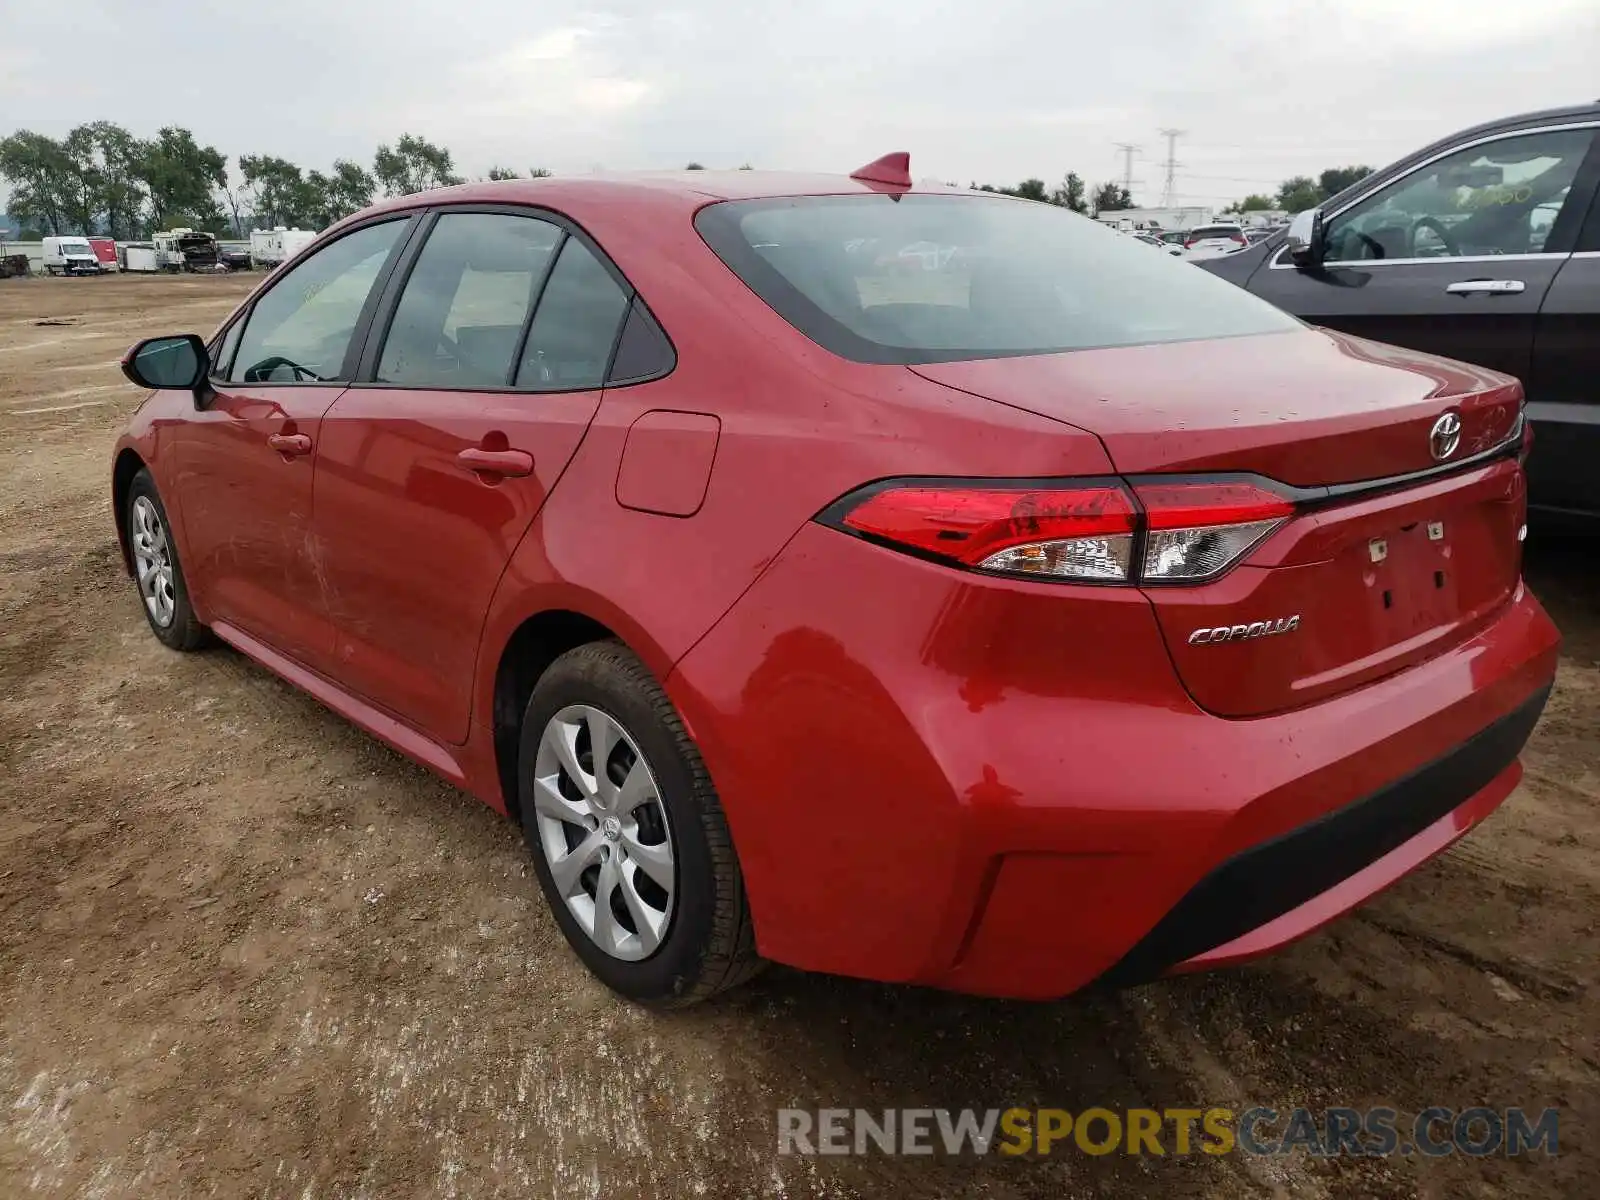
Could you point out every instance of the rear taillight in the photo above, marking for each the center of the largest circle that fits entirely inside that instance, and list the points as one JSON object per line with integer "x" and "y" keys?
{"x": 1069, "y": 532}
{"x": 1197, "y": 530}
{"x": 1093, "y": 531}
{"x": 1240, "y": 238}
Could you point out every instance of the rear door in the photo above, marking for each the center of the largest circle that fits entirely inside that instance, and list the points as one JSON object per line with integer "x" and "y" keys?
{"x": 245, "y": 460}
{"x": 1453, "y": 257}
{"x": 469, "y": 406}
{"x": 1564, "y": 384}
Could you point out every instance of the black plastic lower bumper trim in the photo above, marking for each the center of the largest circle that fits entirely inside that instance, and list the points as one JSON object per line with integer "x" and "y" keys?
{"x": 1267, "y": 880}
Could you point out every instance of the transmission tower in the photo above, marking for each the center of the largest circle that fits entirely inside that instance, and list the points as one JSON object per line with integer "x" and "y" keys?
{"x": 1169, "y": 193}
{"x": 1127, "y": 150}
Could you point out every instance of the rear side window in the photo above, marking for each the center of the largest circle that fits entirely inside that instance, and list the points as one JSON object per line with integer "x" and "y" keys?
{"x": 300, "y": 329}
{"x": 643, "y": 351}
{"x": 460, "y": 318}
{"x": 576, "y": 325}
{"x": 940, "y": 278}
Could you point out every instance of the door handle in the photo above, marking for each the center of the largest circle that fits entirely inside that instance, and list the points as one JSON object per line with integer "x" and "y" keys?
{"x": 1487, "y": 287}
{"x": 496, "y": 462}
{"x": 291, "y": 444}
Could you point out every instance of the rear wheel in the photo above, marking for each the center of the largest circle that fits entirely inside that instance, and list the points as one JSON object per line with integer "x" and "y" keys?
{"x": 627, "y": 836}
{"x": 156, "y": 570}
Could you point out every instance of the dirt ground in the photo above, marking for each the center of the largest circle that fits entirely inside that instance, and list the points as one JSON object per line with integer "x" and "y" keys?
{"x": 246, "y": 951}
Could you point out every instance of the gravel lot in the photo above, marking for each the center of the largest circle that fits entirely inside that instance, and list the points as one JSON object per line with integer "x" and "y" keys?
{"x": 244, "y": 950}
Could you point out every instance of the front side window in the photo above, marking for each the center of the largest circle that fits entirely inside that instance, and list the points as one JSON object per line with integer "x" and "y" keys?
{"x": 938, "y": 278}
{"x": 460, "y": 318}
{"x": 300, "y": 329}
{"x": 576, "y": 325}
{"x": 1498, "y": 198}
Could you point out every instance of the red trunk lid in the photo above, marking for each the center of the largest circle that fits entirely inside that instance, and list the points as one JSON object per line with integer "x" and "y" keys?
{"x": 1378, "y": 579}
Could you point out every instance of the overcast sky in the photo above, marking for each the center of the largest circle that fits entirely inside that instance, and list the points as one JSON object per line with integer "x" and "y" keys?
{"x": 986, "y": 90}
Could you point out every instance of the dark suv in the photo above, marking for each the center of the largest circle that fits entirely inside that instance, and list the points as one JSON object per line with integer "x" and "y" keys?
{"x": 1484, "y": 246}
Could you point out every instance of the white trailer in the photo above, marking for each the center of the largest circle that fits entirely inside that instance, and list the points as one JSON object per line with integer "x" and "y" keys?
{"x": 269, "y": 247}
{"x": 142, "y": 256}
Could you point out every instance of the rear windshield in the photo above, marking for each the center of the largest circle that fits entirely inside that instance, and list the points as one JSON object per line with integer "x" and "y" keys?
{"x": 1216, "y": 231}
{"x": 946, "y": 277}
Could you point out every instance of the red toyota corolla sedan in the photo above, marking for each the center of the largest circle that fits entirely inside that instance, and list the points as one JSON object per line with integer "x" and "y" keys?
{"x": 882, "y": 579}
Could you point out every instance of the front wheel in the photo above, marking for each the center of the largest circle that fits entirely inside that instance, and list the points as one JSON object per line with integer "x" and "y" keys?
{"x": 627, "y": 835}
{"x": 162, "y": 588}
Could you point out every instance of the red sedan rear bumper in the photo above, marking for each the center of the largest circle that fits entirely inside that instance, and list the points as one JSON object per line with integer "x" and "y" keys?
{"x": 1002, "y": 787}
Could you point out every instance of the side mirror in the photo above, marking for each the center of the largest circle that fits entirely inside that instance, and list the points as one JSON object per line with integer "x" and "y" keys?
{"x": 178, "y": 361}
{"x": 1304, "y": 239}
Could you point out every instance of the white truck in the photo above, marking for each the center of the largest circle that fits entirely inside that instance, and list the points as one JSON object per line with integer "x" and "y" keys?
{"x": 186, "y": 250}
{"x": 270, "y": 247}
{"x": 70, "y": 256}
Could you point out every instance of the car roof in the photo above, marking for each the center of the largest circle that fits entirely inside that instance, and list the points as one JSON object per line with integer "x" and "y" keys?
{"x": 655, "y": 189}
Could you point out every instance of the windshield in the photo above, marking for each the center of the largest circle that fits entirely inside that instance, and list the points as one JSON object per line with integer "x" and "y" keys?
{"x": 75, "y": 247}
{"x": 920, "y": 278}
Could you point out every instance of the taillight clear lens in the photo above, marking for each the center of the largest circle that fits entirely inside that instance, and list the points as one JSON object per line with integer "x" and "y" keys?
{"x": 1191, "y": 555}
{"x": 1083, "y": 533}
{"x": 1198, "y": 530}
{"x": 1070, "y": 558}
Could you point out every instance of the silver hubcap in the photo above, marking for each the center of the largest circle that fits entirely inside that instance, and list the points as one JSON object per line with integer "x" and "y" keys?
{"x": 604, "y": 831}
{"x": 152, "y": 562}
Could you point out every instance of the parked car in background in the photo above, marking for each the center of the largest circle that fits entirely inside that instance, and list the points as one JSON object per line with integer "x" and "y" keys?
{"x": 1484, "y": 246}
{"x": 1149, "y": 239}
{"x": 1006, "y": 619}
{"x": 70, "y": 256}
{"x": 1209, "y": 241}
{"x": 235, "y": 258}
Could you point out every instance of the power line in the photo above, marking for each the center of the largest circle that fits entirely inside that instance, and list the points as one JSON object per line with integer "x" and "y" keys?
{"x": 1127, "y": 150}
{"x": 1170, "y": 190}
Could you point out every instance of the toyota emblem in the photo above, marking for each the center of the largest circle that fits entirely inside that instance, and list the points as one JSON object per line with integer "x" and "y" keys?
{"x": 1445, "y": 436}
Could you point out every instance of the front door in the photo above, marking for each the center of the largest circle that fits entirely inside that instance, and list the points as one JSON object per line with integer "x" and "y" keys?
{"x": 246, "y": 462}
{"x": 431, "y": 471}
{"x": 1454, "y": 257}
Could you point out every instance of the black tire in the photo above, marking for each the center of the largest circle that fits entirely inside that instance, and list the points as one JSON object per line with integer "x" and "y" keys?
{"x": 709, "y": 944}
{"x": 184, "y": 631}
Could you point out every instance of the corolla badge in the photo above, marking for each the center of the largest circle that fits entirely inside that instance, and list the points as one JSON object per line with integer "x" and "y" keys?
{"x": 1244, "y": 633}
{"x": 1445, "y": 436}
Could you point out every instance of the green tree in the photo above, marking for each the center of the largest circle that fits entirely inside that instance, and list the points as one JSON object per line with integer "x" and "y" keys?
{"x": 498, "y": 173}
{"x": 41, "y": 176}
{"x": 413, "y": 164}
{"x": 233, "y": 195}
{"x": 1255, "y": 202}
{"x": 118, "y": 154}
{"x": 350, "y": 189}
{"x": 1299, "y": 194}
{"x": 1336, "y": 179}
{"x": 180, "y": 179}
{"x": 1111, "y": 197}
{"x": 694, "y": 166}
{"x": 538, "y": 173}
{"x": 278, "y": 191}
{"x": 1071, "y": 194}
{"x": 1030, "y": 189}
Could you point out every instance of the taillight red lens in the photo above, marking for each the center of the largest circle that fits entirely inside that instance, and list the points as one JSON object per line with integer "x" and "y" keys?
{"x": 972, "y": 524}
{"x": 1179, "y": 505}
